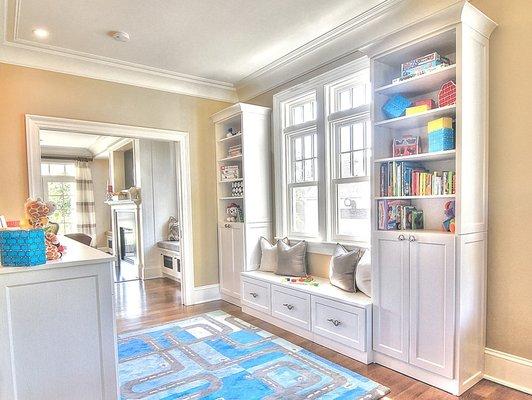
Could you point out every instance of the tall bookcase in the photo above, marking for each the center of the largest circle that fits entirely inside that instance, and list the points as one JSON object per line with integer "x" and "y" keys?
{"x": 247, "y": 127}
{"x": 429, "y": 285}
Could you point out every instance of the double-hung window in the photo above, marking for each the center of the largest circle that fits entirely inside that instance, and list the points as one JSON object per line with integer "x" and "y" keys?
{"x": 322, "y": 157}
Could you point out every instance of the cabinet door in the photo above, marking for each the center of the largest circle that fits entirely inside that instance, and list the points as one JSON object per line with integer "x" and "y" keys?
{"x": 432, "y": 301}
{"x": 225, "y": 243}
{"x": 238, "y": 257}
{"x": 391, "y": 294}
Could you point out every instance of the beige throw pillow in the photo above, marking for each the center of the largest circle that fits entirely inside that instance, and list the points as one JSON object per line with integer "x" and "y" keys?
{"x": 268, "y": 259}
{"x": 342, "y": 267}
{"x": 292, "y": 260}
{"x": 363, "y": 274}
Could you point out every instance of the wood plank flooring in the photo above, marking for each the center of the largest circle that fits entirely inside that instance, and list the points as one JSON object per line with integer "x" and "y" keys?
{"x": 155, "y": 302}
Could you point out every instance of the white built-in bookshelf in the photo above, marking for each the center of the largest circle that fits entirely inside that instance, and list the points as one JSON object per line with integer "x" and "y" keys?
{"x": 429, "y": 284}
{"x": 238, "y": 241}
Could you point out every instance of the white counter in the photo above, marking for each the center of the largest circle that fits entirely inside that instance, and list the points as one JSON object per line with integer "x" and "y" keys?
{"x": 57, "y": 328}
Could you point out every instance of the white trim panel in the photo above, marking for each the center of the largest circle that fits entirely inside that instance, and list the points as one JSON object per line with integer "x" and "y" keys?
{"x": 508, "y": 370}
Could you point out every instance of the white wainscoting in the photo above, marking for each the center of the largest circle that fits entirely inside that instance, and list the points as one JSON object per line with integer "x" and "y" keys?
{"x": 203, "y": 294}
{"x": 508, "y": 370}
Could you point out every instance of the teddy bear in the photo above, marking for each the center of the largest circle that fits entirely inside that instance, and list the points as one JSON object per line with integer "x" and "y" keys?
{"x": 36, "y": 216}
{"x": 234, "y": 213}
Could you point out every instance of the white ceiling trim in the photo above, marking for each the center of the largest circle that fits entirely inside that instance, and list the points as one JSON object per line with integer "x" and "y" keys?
{"x": 344, "y": 41}
{"x": 42, "y": 56}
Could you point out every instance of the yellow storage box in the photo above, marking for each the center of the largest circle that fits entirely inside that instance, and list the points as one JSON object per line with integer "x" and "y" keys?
{"x": 417, "y": 109}
{"x": 440, "y": 123}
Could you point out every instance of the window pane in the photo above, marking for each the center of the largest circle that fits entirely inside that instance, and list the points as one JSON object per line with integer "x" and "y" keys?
{"x": 345, "y": 165}
{"x": 308, "y": 146}
{"x": 298, "y": 148}
{"x": 62, "y": 194}
{"x": 298, "y": 174}
{"x": 353, "y": 213}
{"x": 358, "y": 163}
{"x": 305, "y": 210}
{"x": 309, "y": 170}
{"x": 345, "y": 138}
{"x": 45, "y": 169}
{"x": 297, "y": 115}
{"x": 345, "y": 99}
{"x": 57, "y": 169}
{"x": 358, "y": 136}
{"x": 359, "y": 95}
{"x": 309, "y": 111}
{"x": 70, "y": 169}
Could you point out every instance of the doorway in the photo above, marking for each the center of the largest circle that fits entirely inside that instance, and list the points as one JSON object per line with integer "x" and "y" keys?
{"x": 126, "y": 215}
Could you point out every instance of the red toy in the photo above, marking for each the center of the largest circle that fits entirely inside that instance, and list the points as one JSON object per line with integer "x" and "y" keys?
{"x": 447, "y": 94}
{"x": 422, "y": 102}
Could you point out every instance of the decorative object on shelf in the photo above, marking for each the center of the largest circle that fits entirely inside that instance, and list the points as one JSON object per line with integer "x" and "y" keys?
{"x": 396, "y": 106}
{"x": 133, "y": 194}
{"x": 234, "y": 151}
{"x": 232, "y": 132}
{"x": 36, "y": 216}
{"x": 234, "y": 213}
{"x": 173, "y": 229}
{"x": 405, "y": 146}
{"x": 449, "y": 210}
{"x": 447, "y": 94}
{"x": 303, "y": 280}
{"x": 342, "y": 267}
{"x": 440, "y": 134}
{"x": 237, "y": 189}
{"x": 22, "y": 247}
{"x": 440, "y": 123}
{"x": 229, "y": 172}
{"x": 109, "y": 192}
{"x": 420, "y": 106}
{"x": 423, "y": 64}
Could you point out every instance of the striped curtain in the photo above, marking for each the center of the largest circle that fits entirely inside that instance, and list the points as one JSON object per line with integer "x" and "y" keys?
{"x": 85, "y": 214}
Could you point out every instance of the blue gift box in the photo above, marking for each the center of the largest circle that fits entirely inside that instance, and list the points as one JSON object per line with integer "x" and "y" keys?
{"x": 396, "y": 106}
{"x": 20, "y": 248}
{"x": 441, "y": 139}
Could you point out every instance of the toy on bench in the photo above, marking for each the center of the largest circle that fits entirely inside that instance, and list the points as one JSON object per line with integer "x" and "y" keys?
{"x": 303, "y": 280}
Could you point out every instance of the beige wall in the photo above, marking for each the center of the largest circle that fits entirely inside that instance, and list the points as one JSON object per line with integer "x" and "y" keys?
{"x": 509, "y": 313}
{"x": 32, "y": 91}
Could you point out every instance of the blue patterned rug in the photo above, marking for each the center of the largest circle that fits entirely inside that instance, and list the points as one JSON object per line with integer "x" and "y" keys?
{"x": 216, "y": 356}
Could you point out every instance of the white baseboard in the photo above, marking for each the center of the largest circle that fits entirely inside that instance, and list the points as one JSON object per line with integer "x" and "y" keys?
{"x": 203, "y": 294}
{"x": 508, "y": 370}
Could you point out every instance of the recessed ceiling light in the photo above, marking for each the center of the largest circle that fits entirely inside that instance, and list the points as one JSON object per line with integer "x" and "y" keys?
{"x": 119, "y": 36}
{"x": 41, "y": 33}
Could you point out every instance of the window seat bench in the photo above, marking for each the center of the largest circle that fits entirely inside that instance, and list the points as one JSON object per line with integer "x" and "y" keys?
{"x": 324, "y": 314}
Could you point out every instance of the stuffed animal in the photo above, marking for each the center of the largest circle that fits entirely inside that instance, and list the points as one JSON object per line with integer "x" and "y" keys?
{"x": 234, "y": 213}
{"x": 449, "y": 223}
{"x": 36, "y": 216}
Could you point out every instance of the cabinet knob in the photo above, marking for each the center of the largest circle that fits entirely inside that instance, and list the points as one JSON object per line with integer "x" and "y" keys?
{"x": 412, "y": 238}
{"x": 254, "y": 295}
{"x": 289, "y": 306}
{"x": 335, "y": 322}
{"x": 401, "y": 237}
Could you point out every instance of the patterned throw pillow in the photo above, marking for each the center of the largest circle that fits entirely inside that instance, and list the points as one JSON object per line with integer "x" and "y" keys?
{"x": 342, "y": 267}
{"x": 292, "y": 260}
{"x": 268, "y": 259}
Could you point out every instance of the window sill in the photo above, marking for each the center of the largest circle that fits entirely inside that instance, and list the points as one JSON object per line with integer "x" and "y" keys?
{"x": 326, "y": 248}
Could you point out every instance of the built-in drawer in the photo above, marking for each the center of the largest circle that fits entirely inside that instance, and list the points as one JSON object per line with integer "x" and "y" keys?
{"x": 256, "y": 294}
{"x": 343, "y": 323}
{"x": 291, "y": 306}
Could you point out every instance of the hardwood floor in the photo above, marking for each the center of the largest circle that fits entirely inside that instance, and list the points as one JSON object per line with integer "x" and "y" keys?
{"x": 155, "y": 302}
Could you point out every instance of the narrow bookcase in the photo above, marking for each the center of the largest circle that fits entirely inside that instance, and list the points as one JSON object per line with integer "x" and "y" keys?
{"x": 429, "y": 285}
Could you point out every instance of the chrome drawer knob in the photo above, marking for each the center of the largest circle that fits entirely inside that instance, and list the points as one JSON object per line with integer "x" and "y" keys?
{"x": 254, "y": 295}
{"x": 412, "y": 238}
{"x": 289, "y": 306}
{"x": 335, "y": 322}
{"x": 401, "y": 237}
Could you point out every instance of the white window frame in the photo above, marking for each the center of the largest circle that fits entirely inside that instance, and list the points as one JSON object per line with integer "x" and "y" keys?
{"x": 320, "y": 86}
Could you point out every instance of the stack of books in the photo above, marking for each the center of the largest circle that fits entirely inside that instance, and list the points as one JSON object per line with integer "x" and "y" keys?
{"x": 412, "y": 179}
{"x": 234, "y": 151}
{"x": 398, "y": 215}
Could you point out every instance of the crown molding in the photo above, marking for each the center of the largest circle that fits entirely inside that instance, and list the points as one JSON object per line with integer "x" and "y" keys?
{"x": 17, "y": 51}
{"x": 357, "y": 34}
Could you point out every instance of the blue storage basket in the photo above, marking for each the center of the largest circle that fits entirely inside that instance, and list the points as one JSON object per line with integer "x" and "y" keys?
{"x": 396, "y": 106}
{"x": 441, "y": 139}
{"x": 20, "y": 248}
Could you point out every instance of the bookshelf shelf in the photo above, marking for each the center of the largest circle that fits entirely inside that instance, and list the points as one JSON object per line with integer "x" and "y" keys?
{"x": 231, "y": 197}
{"x": 416, "y": 231}
{"x": 436, "y": 156}
{"x": 225, "y": 139}
{"x": 230, "y": 180}
{"x": 417, "y": 120}
{"x": 439, "y": 196}
{"x": 233, "y": 158}
{"x": 420, "y": 84}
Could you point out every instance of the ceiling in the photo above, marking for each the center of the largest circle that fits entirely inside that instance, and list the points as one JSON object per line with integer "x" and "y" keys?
{"x": 75, "y": 144}
{"x": 213, "y": 41}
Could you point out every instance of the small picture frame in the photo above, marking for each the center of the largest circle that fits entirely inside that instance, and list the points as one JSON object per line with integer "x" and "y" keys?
{"x": 405, "y": 146}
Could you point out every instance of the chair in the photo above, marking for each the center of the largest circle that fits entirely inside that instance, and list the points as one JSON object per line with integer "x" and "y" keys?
{"x": 80, "y": 237}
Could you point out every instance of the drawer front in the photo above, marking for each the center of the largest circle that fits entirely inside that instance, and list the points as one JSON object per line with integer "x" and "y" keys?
{"x": 340, "y": 322}
{"x": 256, "y": 294}
{"x": 291, "y": 306}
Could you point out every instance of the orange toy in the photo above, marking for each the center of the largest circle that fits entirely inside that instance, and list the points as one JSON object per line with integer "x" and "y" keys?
{"x": 36, "y": 216}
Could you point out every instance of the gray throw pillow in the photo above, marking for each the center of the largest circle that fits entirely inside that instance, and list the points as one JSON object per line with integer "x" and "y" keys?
{"x": 268, "y": 259}
{"x": 292, "y": 260}
{"x": 363, "y": 274}
{"x": 342, "y": 267}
